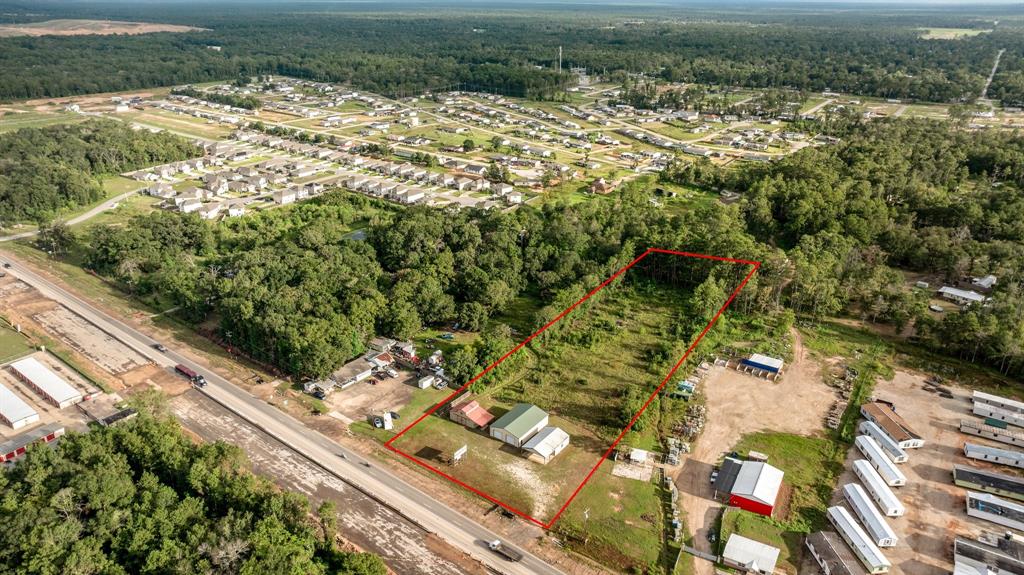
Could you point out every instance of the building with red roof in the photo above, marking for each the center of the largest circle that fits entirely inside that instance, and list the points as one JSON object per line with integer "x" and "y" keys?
{"x": 471, "y": 414}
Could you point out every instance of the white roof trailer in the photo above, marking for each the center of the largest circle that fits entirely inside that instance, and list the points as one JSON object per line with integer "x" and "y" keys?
{"x": 874, "y": 522}
{"x": 994, "y": 454}
{"x": 1002, "y": 402}
{"x": 994, "y": 412}
{"x": 890, "y": 447}
{"x": 868, "y": 553}
{"x": 886, "y": 468}
{"x": 14, "y": 411}
{"x": 886, "y": 500}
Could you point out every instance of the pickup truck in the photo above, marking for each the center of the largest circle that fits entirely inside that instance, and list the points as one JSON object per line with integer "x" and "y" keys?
{"x": 192, "y": 376}
{"x": 506, "y": 552}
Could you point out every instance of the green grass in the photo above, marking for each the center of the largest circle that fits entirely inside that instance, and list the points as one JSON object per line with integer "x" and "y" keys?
{"x": 12, "y": 344}
{"x": 16, "y": 121}
{"x": 812, "y": 466}
{"x": 950, "y": 33}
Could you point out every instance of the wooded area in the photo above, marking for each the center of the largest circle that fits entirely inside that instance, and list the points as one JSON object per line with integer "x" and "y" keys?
{"x": 140, "y": 497}
{"x": 515, "y": 54}
{"x": 45, "y": 170}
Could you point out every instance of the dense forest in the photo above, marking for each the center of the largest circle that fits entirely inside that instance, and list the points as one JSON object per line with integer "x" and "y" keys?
{"x": 834, "y": 226}
{"x": 46, "y": 170}
{"x": 142, "y": 498}
{"x": 514, "y": 54}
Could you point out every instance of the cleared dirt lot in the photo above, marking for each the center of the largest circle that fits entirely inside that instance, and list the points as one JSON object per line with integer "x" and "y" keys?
{"x": 105, "y": 351}
{"x": 82, "y": 27}
{"x": 935, "y": 506}
{"x": 369, "y": 525}
{"x": 739, "y": 404}
{"x": 363, "y": 399}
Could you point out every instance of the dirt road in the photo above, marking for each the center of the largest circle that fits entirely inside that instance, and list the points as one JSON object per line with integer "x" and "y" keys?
{"x": 739, "y": 404}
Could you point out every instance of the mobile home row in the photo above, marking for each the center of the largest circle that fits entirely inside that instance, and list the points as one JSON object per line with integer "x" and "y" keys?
{"x": 880, "y": 492}
{"x": 868, "y": 553}
{"x": 994, "y": 454}
{"x": 874, "y": 454}
{"x": 874, "y": 522}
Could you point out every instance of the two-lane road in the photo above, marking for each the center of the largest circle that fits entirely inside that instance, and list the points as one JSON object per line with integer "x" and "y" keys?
{"x": 365, "y": 475}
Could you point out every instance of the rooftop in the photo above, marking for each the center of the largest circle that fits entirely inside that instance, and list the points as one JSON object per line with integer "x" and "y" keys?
{"x": 520, "y": 419}
{"x": 752, "y": 554}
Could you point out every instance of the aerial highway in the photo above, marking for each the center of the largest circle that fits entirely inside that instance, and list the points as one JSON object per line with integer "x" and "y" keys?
{"x": 362, "y": 473}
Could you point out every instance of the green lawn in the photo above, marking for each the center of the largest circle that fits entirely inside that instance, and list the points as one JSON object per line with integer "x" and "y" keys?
{"x": 12, "y": 344}
{"x": 17, "y": 120}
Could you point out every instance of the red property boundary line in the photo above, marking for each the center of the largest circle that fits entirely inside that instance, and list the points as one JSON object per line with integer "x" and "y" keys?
{"x": 755, "y": 265}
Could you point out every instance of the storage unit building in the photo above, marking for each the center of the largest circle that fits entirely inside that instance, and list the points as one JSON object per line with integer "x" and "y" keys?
{"x": 879, "y": 491}
{"x": 1009, "y": 437}
{"x": 994, "y": 454}
{"x": 995, "y": 509}
{"x": 874, "y": 522}
{"x": 19, "y": 443}
{"x": 750, "y": 556}
{"x": 46, "y": 383}
{"x": 520, "y": 424}
{"x": 869, "y": 554}
{"x": 883, "y": 415}
{"x": 886, "y": 468}
{"x": 756, "y": 488}
{"x": 998, "y": 413}
{"x": 547, "y": 443}
{"x": 989, "y": 482}
{"x": 14, "y": 411}
{"x": 890, "y": 447}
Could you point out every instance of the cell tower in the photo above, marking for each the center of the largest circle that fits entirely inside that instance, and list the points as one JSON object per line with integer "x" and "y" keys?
{"x": 559, "y": 59}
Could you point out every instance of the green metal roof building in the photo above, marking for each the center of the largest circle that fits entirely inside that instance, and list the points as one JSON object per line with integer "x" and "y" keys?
{"x": 520, "y": 424}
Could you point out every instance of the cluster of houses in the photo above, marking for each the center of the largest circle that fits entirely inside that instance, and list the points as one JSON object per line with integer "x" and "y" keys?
{"x": 187, "y": 110}
{"x": 525, "y": 426}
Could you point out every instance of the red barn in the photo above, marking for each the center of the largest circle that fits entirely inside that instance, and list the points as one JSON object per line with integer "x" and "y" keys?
{"x": 756, "y": 488}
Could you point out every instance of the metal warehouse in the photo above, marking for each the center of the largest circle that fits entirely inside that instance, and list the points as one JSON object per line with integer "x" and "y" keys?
{"x": 890, "y": 447}
{"x": 14, "y": 411}
{"x": 18, "y": 444}
{"x": 887, "y": 469}
{"x": 868, "y": 553}
{"x": 874, "y": 522}
{"x": 763, "y": 365}
{"x": 988, "y": 481}
{"x": 971, "y": 427}
{"x": 994, "y": 454}
{"x": 995, "y": 509}
{"x": 520, "y": 424}
{"x": 1001, "y": 402}
{"x": 892, "y": 424}
{"x": 756, "y": 488}
{"x": 879, "y": 491}
{"x": 46, "y": 383}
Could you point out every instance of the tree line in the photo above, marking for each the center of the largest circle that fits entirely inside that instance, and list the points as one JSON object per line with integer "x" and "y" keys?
{"x": 46, "y": 170}
{"x": 234, "y": 100}
{"x": 141, "y": 497}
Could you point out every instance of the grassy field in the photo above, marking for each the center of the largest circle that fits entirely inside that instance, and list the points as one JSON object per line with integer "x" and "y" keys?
{"x": 12, "y": 344}
{"x": 812, "y": 466}
{"x": 950, "y": 33}
{"x": 11, "y": 121}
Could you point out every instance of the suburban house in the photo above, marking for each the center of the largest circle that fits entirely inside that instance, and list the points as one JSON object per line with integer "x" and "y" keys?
{"x": 600, "y": 186}
{"x": 284, "y": 197}
{"x": 520, "y": 424}
{"x": 501, "y": 189}
{"x": 548, "y": 443}
{"x": 470, "y": 414}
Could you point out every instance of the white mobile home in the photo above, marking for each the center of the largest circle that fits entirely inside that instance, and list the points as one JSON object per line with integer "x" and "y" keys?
{"x": 1001, "y": 402}
{"x": 1014, "y": 418}
{"x": 874, "y": 454}
{"x": 874, "y": 522}
{"x": 868, "y": 553}
{"x": 971, "y": 427}
{"x": 890, "y": 447}
{"x": 995, "y": 509}
{"x": 994, "y": 454}
{"x": 886, "y": 500}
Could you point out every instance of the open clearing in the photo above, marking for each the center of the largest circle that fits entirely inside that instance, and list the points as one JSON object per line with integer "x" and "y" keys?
{"x": 950, "y": 33}
{"x": 83, "y": 27}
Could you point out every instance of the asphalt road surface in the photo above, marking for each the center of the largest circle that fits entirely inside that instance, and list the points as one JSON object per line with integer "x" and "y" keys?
{"x": 363, "y": 474}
